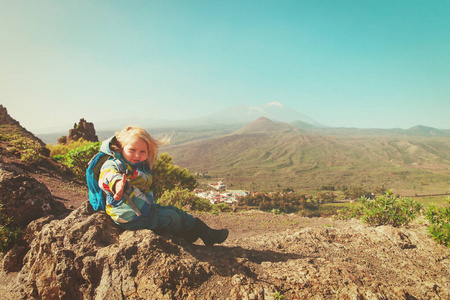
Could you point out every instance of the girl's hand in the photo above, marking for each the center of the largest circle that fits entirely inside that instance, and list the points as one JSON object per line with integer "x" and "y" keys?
{"x": 119, "y": 187}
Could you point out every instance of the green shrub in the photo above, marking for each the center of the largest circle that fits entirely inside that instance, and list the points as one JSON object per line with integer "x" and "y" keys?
{"x": 384, "y": 210}
{"x": 439, "y": 218}
{"x": 58, "y": 149}
{"x": 63, "y": 149}
{"x": 276, "y": 211}
{"x": 222, "y": 207}
{"x": 5, "y": 137}
{"x": 78, "y": 158}
{"x": 167, "y": 176}
{"x": 356, "y": 193}
{"x": 388, "y": 210}
{"x": 62, "y": 140}
{"x": 285, "y": 203}
{"x": 8, "y": 235}
{"x": 28, "y": 149}
{"x": 277, "y": 295}
{"x": 325, "y": 197}
{"x": 59, "y": 158}
{"x": 351, "y": 212}
{"x": 182, "y": 198}
{"x": 31, "y": 155}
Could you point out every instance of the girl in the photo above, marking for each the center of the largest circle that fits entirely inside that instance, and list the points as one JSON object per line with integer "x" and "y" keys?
{"x": 126, "y": 179}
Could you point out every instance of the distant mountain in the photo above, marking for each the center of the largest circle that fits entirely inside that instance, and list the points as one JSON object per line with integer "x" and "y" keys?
{"x": 413, "y": 131}
{"x": 244, "y": 114}
{"x": 263, "y": 124}
{"x": 421, "y": 130}
{"x": 303, "y": 125}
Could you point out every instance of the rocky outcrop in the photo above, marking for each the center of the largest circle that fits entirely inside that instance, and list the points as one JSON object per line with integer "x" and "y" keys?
{"x": 24, "y": 198}
{"x": 85, "y": 256}
{"x": 5, "y": 118}
{"x": 83, "y": 130}
{"x": 10, "y": 126}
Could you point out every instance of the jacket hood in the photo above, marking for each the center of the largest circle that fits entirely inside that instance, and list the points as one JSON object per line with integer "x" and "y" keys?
{"x": 104, "y": 148}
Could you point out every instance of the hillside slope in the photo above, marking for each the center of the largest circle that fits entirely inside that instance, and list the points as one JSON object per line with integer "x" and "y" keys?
{"x": 266, "y": 155}
{"x": 10, "y": 126}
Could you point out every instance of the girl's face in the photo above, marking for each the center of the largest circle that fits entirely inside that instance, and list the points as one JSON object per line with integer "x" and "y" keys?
{"x": 135, "y": 151}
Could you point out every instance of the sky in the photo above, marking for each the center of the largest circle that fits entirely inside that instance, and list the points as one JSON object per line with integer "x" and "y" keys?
{"x": 366, "y": 64}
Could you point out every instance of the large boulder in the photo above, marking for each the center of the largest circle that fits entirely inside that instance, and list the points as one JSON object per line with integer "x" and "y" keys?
{"x": 86, "y": 256}
{"x": 24, "y": 198}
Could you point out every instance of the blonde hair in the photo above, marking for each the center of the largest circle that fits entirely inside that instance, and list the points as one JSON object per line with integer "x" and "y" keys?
{"x": 131, "y": 133}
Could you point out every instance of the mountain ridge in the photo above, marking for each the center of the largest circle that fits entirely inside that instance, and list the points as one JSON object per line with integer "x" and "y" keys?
{"x": 263, "y": 124}
{"x": 232, "y": 118}
{"x": 267, "y": 155}
{"x": 274, "y": 111}
{"x": 214, "y": 129}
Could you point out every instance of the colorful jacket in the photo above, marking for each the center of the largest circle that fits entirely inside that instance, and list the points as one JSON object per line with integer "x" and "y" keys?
{"x": 137, "y": 197}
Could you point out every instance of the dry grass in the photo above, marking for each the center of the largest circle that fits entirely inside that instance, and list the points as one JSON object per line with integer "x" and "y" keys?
{"x": 274, "y": 161}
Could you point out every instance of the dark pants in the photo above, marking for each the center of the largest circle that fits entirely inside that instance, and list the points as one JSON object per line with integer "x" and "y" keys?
{"x": 163, "y": 219}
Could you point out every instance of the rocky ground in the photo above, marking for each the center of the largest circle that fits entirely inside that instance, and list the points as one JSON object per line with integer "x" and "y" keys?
{"x": 79, "y": 254}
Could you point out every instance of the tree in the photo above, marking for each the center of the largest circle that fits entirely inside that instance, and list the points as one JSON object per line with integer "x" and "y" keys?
{"x": 167, "y": 176}
{"x": 62, "y": 140}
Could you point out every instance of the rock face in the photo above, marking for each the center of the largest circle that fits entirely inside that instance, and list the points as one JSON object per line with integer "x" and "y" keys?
{"x": 85, "y": 256}
{"x": 84, "y": 130}
{"x": 24, "y": 198}
{"x": 11, "y": 126}
{"x": 5, "y": 118}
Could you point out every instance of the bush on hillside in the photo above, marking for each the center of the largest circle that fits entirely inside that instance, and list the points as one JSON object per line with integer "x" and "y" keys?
{"x": 28, "y": 149}
{"x": 325, "y": 197}
{"x": 221, "y": 207}
{"x": 356, "y": 193}
{"x": 167, "y": 176}
{"x": 183, "y": 198}
{"x": 62, "y": 140}
{"x": 77, "y": 159}
{"x": 384, "y": 210}
{"x": 388, "y": 210}
{"x": 439, "y": 218}
{"x": 63, "y": 149}
{"x": 8, "y": 235}
{"x": 285, "y": 203}
{"x": 353, "y": 211}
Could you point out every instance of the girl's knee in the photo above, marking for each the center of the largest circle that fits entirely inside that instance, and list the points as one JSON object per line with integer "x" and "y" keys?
{"x": 170, "y": 221}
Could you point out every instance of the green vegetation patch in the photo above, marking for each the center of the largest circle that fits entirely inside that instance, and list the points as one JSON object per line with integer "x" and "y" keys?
{"x": 184, "y": 198}
{"x": 75, "y": 156}
{"x": 439, "y": 218}
{"x": 63, "y": 149}
{"x": 28, "y": 149}
{"x": 8, "y": 234}
{"x": 384, "y": 210}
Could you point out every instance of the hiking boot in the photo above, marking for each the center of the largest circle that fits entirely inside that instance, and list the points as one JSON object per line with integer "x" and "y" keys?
{"x": 190, "y": 236}
{"x": 208, "y": 235}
